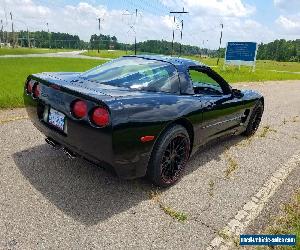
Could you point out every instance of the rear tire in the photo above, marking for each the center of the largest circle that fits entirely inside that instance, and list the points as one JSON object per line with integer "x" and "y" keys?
{"x": 254, "y": 120}
{"x": 169, "y": 156}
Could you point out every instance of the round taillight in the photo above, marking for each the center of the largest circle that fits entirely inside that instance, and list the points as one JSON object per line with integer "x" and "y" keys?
{"x": 36, "y": 90}
{"x": 79, "y": 109}
{"x": 29, "y": 87}
{"x": 100, "y": 117}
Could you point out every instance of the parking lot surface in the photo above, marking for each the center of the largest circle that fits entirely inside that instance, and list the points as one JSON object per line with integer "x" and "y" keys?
{"x": 48, "y": 201}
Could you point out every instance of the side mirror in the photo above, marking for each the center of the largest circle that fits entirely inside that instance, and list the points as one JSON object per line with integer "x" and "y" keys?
{"x": 237, "y": 93}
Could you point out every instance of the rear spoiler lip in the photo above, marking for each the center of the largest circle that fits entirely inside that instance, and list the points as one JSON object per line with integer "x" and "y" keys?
{"x": 71, "y": 91}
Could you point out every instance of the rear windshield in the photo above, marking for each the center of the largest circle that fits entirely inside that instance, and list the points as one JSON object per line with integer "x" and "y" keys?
{"x": 136, "y": 74}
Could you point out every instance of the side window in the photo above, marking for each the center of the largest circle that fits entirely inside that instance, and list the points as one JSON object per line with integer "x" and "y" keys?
{"x": 204, "y": 84}
{"x": 166, "y": 79}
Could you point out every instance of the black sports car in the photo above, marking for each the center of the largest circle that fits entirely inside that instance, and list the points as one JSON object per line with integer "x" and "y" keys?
{"x": 141, "y": 115}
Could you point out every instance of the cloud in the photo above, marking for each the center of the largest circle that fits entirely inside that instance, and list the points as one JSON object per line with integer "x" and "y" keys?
{"x": 288, "y": 5}
{"x": 83, "y": 20}
{"x": 289, "y": 19}
{"x": 290, "y": 24}
{"x": 201, "y": 24}
{"x": 232, "y": 8}
{"x": 26, "y": 13}
{"x": 25, "y": 8}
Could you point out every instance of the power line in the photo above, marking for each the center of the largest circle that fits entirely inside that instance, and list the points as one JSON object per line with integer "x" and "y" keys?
{"x": 173, "y": 35}
{"x": 132, "y": 24}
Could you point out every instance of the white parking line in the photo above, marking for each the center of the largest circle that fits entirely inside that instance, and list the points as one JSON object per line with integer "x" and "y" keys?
{"x": 229, "y": 235}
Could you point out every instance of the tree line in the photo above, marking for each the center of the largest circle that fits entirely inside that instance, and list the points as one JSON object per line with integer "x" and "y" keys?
{"x": 42, "y": 39}
{"x": 149, "y": 46}
{"x": 280, "y": 50}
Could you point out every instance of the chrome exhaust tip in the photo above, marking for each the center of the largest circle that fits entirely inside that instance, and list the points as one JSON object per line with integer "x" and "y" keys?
{"x": 69, "y": 153}
{"x": 52, "y": 143}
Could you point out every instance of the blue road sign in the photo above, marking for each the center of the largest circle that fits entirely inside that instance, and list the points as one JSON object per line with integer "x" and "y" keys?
{"x": 241, "y": 51}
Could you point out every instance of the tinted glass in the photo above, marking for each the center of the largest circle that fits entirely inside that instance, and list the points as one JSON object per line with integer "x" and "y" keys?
{"x": 204, "y": 84}
{"x": 137, "y": 74}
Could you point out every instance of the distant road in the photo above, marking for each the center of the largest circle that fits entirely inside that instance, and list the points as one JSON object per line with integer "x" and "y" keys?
{"x": 71, "y": 54}
{"x": 284, "y": 71}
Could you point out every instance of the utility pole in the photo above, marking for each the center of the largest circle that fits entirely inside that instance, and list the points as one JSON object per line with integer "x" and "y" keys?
{"x": 99, "y": 20}
{"x": 131, "y": 26}
{"x": 12, "y": 29}
{"x": 49, "y": 37}
{"x": 222, "y": 26}
{"x": 135, "y": 32}
{"x": 6, "y": 25}
{"x": 173, "y": 36}
{"x": 28, "y": 38}
{"x": 2, "y": 35}
{"x": 180, "y": 38}
{"x": 177, "y": 12}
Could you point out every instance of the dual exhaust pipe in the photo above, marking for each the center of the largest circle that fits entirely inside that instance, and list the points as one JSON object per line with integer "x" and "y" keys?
{"x": 55, "y": 145}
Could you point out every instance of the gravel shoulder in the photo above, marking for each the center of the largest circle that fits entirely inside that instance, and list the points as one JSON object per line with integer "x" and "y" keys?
{"x": 49, "y": 201}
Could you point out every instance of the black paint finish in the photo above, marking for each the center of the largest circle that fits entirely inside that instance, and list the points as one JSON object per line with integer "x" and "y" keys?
{"x": 137, "y": 113}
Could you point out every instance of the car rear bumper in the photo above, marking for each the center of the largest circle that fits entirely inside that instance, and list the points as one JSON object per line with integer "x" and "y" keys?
{"x": 90, "y": 143}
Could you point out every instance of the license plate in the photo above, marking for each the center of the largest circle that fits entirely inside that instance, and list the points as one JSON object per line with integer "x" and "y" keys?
{"x": 56, "y": 118}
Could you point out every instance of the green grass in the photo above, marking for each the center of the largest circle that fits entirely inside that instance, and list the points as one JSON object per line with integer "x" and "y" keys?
{"x": 232, "y": 165}
{"x": 262, "y": 73}
{"x": 176, "y": 215}
{"x": 288, "y": 222}
{"x": 107, "y": 53}
{"x": 231, "y": 73}
{"x": 180, "y": 216}
{"x": 14, "y": 72}
{"x": 26, "y": 51}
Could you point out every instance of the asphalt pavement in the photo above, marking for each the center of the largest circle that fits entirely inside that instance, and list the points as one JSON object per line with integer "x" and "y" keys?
{"x": 50, "y": 202}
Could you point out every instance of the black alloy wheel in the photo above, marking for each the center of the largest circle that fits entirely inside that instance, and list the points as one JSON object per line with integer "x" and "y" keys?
{"x": 169, "y": 157}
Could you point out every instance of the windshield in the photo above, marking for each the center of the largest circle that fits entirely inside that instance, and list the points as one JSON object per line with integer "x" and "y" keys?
{"x": 137, "y": 74}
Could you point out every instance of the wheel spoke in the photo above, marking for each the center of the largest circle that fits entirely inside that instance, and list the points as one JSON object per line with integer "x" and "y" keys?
{"x": 174, "y": 158}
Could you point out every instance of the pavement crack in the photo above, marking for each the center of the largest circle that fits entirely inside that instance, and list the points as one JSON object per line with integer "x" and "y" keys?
{"x": 174, "y": 214}
{"x": 12, "y": 119}
{"x": 204, "y": 224}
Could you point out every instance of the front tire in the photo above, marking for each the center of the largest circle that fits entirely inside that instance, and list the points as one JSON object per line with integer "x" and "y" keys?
{"x": 254, "y": 120}
{"x": 169, "y": 157}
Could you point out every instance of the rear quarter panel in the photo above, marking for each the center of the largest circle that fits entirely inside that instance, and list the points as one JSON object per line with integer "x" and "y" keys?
{"x": 150, "y": 114}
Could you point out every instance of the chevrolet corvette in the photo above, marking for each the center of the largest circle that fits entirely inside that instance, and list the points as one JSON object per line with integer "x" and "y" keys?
{"x": 140, "y": 115}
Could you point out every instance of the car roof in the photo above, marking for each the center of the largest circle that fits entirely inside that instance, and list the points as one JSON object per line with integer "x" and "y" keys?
{"x": 177, "y": 61}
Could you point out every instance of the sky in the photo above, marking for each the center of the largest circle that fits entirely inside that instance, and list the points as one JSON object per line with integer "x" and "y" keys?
{"x": 243, "y": 20}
